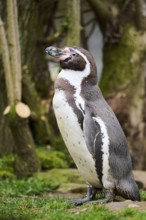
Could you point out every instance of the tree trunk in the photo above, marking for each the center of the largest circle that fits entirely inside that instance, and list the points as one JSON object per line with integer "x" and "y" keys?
{"x": 102, "y": 11}
{"x": 73, "y": 17}
{"x": 13, "y": 37}
{"x": 6, "y": 63}
{"x": 26, "y": 162}
{"x": 6, "y": 139}
{"x": 123, "y": 84}
{"x": 42, "y": 131}
{"x": 17, "y": 113}
{"x": 141, "y": 14}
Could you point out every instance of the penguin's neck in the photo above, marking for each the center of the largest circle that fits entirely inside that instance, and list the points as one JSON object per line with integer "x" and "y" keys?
{"x": 75, "y": 77}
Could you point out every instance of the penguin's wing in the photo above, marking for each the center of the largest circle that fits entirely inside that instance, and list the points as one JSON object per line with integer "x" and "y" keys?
{"x": 94, "y": 139}
{"x": 92, "y": 132}
{"x": 106, "y": 141}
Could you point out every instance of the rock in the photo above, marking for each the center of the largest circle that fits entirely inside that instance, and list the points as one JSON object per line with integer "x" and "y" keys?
{"x": 117, "y": 206}
{"x": 73, "y": 188}
{"x": 140, "y": 177}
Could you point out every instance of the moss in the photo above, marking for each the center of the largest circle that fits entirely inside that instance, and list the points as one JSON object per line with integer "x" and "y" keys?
{"x": 143, "y": 195}
{"x": 7, "y": 163}
{"x": 6, "y": 175}
{"x": 60, "y": 176}
{"x": 59, "y": 145}
{"x": 51, "y": 159}
{"x": 64, "y": 25}
{"x": 12, "y": 114}
{"x": 118, "y": 62}
{"x": 7, "y": 167}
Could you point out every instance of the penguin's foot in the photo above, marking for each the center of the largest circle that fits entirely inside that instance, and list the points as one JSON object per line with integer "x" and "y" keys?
{"x": 77, "y": 202}
{"x": 109, "y": 197}
{"x": 91, "y": 193}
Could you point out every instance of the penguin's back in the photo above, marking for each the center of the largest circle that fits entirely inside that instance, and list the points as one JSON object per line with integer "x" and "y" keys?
{"x": 119, "y": 158}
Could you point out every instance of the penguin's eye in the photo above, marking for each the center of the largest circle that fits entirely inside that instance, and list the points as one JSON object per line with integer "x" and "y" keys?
{"x": 75, "y": 54}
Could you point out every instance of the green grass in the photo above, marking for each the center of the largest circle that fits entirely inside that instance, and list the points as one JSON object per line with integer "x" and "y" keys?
{"x": 30, "y": 199}
{"x": 30, "y": 186}
{"x": 58, "y": 209}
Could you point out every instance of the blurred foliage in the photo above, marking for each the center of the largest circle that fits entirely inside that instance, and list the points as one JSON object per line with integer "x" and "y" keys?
{"x": 61, "y": 176}
{"x": 30, "y": 186}
{"x": 7, "y": 167}
{"x": 59, "y": 145}
{"x": 51, "y": 159}
{"x": 115, "y": 78}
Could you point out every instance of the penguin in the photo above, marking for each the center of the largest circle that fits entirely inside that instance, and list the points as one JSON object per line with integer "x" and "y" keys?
{"x": 90, "y": 129}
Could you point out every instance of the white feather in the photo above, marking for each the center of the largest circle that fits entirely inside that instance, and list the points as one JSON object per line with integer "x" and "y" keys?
{"x": 74, "y": 138}
{"x": 69, "y": 126}
{"x": 105, "y": 149}
{"x": 75, "y": 79}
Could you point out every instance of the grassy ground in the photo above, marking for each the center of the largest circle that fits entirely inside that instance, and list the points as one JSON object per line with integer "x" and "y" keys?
{"x": 33, "y": 199}
{"x": 59, "y": 209}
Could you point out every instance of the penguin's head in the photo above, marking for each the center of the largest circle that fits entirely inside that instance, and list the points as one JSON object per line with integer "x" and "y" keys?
{"x": 74, "y": 58}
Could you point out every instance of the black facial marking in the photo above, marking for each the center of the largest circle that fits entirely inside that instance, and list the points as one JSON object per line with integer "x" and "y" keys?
{"x": 92, "y": 78}
{"x": 67, "y": 59}
{"x": 74, "y": 62}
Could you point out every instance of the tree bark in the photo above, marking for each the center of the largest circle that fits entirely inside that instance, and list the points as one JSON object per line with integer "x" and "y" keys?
{"x": 123, "y": 84}
{"x": 6, "y": 139}
{"x": 6, "y": 63}
{"x": 141, "y": 14}
{"x": 42, "y": 131}
{"x": 14, "y": 47}
{"x": 102, "y": 11}
{"x": 73, "y": 18}
{"x": 26, "y": 162}
{"x": 17, "y": 113}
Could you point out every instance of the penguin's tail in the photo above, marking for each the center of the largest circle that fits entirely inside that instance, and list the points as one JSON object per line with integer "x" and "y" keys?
{"x": 128, "y": 189}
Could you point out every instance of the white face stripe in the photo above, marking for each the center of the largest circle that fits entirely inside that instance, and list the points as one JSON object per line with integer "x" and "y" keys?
{"x": 81, "y": 54}
{"x": 75, "y": 79}
{"x": 105, "y": 149}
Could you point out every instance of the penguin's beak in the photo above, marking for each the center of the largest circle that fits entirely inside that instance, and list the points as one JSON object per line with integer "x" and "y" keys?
{"x": 62, "y": 54}
{"x": 54, "y": 51}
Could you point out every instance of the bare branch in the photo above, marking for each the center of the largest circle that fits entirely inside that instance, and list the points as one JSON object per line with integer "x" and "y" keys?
{"x": 102, "y": 11}
{"x": 6, "y": 63}
{"x": 14, "y": 47}
{"x": 141, "y": 13}
{"x": 73, "y": 16}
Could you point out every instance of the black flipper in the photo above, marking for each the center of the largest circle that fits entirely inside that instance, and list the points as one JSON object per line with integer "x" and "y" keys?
{"x": 93, "y": 139}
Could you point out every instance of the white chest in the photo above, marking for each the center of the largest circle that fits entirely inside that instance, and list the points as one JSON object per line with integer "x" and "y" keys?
{"x": 74, "y": 138}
